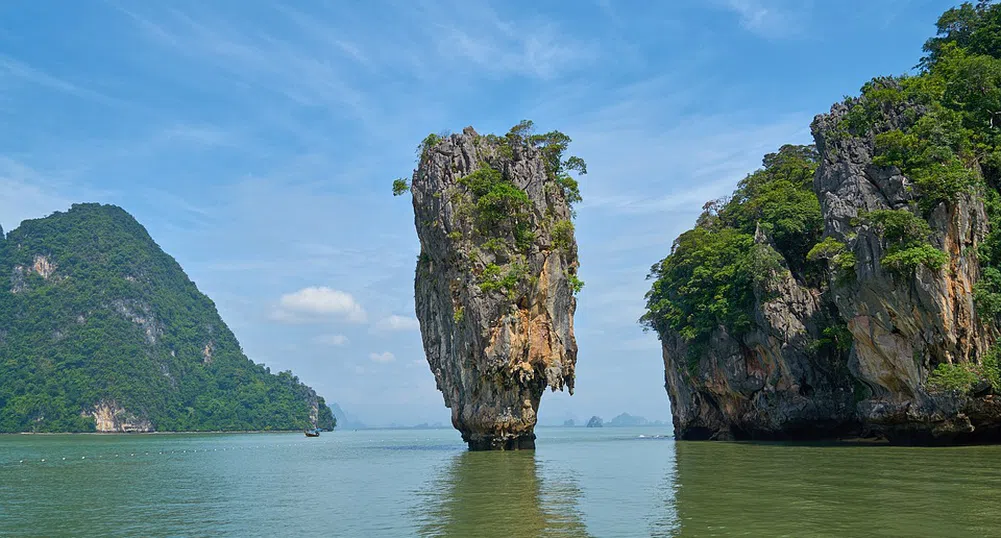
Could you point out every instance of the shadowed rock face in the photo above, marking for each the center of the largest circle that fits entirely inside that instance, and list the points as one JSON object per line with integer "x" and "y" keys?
{"x": 902, "y": 327}
{"x": 494, "y": 299}
{"x": 768, "y": 383}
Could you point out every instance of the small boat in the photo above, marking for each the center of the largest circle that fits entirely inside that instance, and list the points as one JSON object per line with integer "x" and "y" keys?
{"x": 312, "y": 433}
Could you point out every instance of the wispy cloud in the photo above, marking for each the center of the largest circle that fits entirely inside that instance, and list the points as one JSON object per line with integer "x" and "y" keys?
{"x": 768, "y": 18}
{"x": 303, "y": 75}
{"x": 12, "y": 69}
{"x": 383, "y": 357}
{"x": 28, "y": 193}
{"x": 202, "y": 135}
{"x": 397, "y": 323}
{"x": 537, "y": 52}
{"x": 332, "y": 339}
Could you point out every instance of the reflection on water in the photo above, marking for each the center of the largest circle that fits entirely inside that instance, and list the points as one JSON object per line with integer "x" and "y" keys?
{"x": 487, "y": 494}
{"x": 731, "y": 489}
{"x": 579, "y": 483}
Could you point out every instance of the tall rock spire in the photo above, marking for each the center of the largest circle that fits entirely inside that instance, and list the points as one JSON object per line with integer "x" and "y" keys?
{"x": 496, "y": 277}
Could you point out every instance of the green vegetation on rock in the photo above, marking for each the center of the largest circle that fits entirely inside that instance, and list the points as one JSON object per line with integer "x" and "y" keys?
{"x": 708, "y": 280}
{"x": 497, "y": 214}
{"x": 563, "y": 234}
{"x": 92, "y": 311}
{"x": 907, "y": 240}
{"x": 835, "y": 252}
{"x": 941, "y": 128}
{"x": 501, "y": 208}
{"x": 400, "y": 186}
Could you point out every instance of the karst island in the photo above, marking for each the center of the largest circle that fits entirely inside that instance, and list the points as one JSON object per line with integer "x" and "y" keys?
{"x": 496, "y": 277}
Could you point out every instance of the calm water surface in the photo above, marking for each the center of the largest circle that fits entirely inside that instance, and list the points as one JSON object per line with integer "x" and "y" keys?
{"x": 579, "y": 483}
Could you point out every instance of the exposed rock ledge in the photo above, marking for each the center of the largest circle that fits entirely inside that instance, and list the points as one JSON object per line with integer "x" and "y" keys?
{"x": 109, "y": 417}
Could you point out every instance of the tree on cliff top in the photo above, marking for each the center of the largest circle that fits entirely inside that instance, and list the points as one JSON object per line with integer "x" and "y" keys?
{"x": 975, "y": 28}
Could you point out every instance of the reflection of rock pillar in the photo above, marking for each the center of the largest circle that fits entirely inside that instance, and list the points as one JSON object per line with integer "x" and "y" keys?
{"x": 487, "y": 495}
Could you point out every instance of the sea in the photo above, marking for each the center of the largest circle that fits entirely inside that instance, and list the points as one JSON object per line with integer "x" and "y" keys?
{"x": 579, "y": 482}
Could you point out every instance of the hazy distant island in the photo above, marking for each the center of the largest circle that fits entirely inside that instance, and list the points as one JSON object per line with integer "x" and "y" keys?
{"x": 625, "y": 419}
{"x": 853, "y": 287}
{"x": 496, "y": 277}
{"x": 619, "y": 421}
{"x": 345, "y": 421}
{"x": 100, "y": 330}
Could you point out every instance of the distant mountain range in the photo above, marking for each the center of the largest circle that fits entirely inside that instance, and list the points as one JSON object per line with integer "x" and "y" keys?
{"x": 345, "y": 422}
{"x": 622, "y": 420}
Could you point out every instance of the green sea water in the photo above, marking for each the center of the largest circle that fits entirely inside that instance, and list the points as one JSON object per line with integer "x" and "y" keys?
{"x": 579, "y": 482}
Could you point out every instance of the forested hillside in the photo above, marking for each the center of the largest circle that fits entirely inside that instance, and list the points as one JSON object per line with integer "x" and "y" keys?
{"x": 99, "y": 328}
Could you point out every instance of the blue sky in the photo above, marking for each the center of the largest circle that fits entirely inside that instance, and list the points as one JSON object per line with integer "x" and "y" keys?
{"x": 257, "y": 142}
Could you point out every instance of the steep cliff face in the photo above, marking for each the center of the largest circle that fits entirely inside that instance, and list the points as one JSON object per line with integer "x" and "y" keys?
{"x": 869, "y": 300}
{"x": 772, "y": 381}
{"x": 904, "y": 325}
{"x": 889, "y": 342}
{"x": 109, "y": 417}
{"x": 495, "y": 280}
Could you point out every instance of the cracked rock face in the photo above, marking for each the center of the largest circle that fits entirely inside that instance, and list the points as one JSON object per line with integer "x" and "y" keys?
{"x": 494, "y": 299}
{"x": 768, "y": 383}
{"x": 903, "y": 327}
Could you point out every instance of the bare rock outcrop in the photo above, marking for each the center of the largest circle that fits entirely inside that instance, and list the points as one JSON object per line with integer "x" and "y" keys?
{"x": 772, "y": 382}
{"x": 495, "y": 280}
{"x": 903, "y": 326}
{"x": 109, "y": 417}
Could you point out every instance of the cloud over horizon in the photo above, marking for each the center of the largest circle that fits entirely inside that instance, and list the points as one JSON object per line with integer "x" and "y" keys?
{"x": 317, "y": 305}
{"x": 383, "y": 357}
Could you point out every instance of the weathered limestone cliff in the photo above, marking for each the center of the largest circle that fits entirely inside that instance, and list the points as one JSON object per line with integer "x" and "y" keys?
{"x": 889, "y": 341}
{"x": 770, "y": 382}
{"x": 903, "y": 326}
{"x": 109, "y": 417}
{"x": 496, "y": 277}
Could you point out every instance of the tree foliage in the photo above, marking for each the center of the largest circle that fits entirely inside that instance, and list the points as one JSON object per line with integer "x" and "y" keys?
{"x": 708, "y": 279}
{"x": 941, "y": 128}
{"x": 400, "y": 186}
{"x": 704, "y": 283}
{"x": 973, "y": 27}
{"x": 118, "y": 320}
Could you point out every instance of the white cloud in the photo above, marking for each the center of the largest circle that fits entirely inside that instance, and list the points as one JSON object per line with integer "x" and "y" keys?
{"x": 331, "y": 339}
{"x": 398, "y": 323}
{"x": 318, "y": 304}
{"x": 385, "y": 356}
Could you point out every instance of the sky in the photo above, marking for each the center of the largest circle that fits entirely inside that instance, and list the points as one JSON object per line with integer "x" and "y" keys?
{"x": 257, "y": 142}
